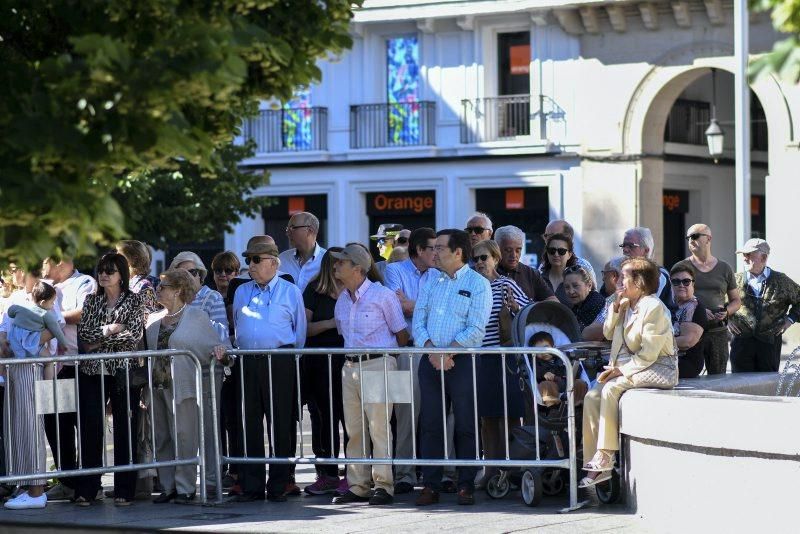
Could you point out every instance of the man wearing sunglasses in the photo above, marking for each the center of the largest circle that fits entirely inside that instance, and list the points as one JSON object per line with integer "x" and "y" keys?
{"x": 386, "y": 239}
{"x": 304, "y": 260}
{"x": 639, "y": 243}
{"x": 268, "y": 313}
{"x": 479, "y": 228}
{"x": 714, "y": 285}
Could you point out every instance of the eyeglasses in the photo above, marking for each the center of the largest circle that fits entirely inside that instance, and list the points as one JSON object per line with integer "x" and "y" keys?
{"x": 402, "y": 240}
{"x": 685, "y": 282}
{"x": 629, "y": 245}
{"x": 220, "y": 272}
{"x": 481, "y": 257}
{"x": 163, "y": 285}
{"x": 290, "y": 228}
{"x": 695, "y": 237}
{"x": 194, "y": 272}
{"x": 107, "y": 270}
{"x": 560, "y": 251}
{"x": 475, "y": 229}
{"x": 256, "y": 259}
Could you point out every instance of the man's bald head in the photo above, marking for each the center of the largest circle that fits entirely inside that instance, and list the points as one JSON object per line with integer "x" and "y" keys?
{"x": 698, "y": 237}
{"x": 559, "y": 226}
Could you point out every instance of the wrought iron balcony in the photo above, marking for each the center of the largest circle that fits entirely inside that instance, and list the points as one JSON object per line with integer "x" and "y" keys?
{"x": 504, "y": 118}
{"x": 393, "y": 124}
{"x": 289, "y": 129}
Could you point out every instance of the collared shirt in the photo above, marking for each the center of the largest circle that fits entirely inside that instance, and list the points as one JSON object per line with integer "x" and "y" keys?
{"x": 453, "y": 309}
{"x": 212, "y": 303}
{"x": 269, "y": 317}
{"x": 302, "y": 274}
{"x": 372, "y": 319}
{"x": 756, "y": 283}
{"x": 74, "y": 291}
{"x": 405, "y": 276}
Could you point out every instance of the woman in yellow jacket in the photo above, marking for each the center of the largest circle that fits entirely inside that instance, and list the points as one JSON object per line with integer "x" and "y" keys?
{"x": 640, "y": 329}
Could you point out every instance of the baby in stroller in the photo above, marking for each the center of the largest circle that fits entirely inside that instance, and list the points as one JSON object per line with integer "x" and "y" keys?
{"x": 551, "y": 375}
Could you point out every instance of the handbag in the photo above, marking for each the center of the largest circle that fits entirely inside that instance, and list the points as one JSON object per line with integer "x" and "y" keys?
{"x": 662, "y": 374}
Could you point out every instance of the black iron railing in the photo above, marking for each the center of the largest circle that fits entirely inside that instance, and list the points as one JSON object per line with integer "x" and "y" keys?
{"x": 393, "y": 124}
{"x": 289, "y": 129}
{"x": 504, "y": 118}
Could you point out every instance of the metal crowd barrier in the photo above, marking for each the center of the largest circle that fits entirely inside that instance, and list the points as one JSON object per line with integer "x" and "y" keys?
{"x": 60, "y": 396}
{"x": 398, "y": 387}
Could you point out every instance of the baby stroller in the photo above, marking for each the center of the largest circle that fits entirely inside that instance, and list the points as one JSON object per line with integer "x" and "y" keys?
{"x": 552, "y": 437}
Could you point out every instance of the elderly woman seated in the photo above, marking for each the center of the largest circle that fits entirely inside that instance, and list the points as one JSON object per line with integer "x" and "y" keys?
{"x": 640, "y": 328}
{"x": 688, "y": 321}
{"x": 584, "y": 301}
{"x": 175, "y": 403}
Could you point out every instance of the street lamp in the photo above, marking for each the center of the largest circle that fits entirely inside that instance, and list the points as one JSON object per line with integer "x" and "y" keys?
{"x": 715, "y": 137}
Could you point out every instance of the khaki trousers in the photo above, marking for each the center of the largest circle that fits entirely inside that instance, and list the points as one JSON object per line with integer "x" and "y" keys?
{"x": 601, "y": 416}
{"x": 372, "y": 422}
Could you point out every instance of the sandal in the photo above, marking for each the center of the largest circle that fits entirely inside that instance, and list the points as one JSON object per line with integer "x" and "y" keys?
{"x": 83, "y": 502}
{"x": 589, "y": 481}
{"x": 600, "y": 462}
{"x": 119, "y": 501}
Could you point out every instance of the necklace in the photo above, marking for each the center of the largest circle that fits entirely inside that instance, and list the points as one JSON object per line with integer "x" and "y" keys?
{"x": 177, "y": 312}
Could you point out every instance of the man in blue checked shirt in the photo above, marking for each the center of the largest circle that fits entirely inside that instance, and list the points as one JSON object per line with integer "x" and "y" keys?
{"x": 451, "y": 311}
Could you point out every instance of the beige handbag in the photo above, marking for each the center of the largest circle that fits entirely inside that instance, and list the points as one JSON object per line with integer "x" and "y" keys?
{"x": 662, "y": 374}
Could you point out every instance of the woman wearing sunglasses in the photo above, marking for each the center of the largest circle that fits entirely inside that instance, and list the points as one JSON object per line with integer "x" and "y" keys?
{"x": 688, "y": 321}
{"x": 207, "y": 299}
{"x": 558, "y": 256}
{"x": 225, "y": 267}
{"x": 505, "y": 294}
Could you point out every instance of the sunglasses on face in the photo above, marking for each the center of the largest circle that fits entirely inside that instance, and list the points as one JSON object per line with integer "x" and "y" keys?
{"x": 482, "y": 257}
{"x": 695, "y": 237}
{"x": 255, "y": 259}
{"x": 194, "y": 272}
{"x": 402, "y": 240}
{"x": 290, "y": 228}
{"x": 220, "y": 272}
{"x": 629, "y": 245}
{"x": 107, "y": 270}
{"x": 162, "y": 285}
{"x": 560, "y": 251}
{"x": 685, "y": 282}
{"x": 475, "y": 229}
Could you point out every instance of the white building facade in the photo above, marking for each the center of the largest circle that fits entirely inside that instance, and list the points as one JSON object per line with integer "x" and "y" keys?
{"x": 528, "y": 110}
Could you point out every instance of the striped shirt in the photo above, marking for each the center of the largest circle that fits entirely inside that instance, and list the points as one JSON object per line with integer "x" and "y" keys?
{"x": 498, "y": 285}
{"x": 453, "y": 309}
{"x": 212, "y": 303}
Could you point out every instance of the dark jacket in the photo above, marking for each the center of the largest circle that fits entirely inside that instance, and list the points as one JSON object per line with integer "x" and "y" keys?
{"x": 762, "y": 316}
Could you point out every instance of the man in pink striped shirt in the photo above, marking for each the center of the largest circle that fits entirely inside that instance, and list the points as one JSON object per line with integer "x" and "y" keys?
{"x": 368, "y": 316}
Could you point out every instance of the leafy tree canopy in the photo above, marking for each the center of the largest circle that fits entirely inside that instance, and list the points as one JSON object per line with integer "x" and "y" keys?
{"x": 95, "y": 90}
{"x": 784, "y": 60}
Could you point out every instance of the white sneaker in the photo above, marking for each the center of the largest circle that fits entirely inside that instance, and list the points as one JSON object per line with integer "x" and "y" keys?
{"x": 26, "y": 502}
{"x": 60, "y": 492}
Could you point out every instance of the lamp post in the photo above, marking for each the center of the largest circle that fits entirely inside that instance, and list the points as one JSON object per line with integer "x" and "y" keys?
{"x": 715, "y": 137}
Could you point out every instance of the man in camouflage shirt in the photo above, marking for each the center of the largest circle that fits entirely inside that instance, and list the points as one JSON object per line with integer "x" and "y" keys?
{"x": 770, "y": 305}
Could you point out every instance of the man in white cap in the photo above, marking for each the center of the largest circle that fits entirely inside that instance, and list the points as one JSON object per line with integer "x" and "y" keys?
{"x": 770, "y": 305}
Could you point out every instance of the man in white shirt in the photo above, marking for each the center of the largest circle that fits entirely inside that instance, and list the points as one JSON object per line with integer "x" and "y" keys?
{"x": 303, "y": 261}
{"x": 72, "y": 288}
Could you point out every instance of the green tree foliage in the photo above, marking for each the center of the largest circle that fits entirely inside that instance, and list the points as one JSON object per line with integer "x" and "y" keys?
{"x": 191, "y": 203}
{"x": 96, "y": 90}
{"x": 784, "y": 60}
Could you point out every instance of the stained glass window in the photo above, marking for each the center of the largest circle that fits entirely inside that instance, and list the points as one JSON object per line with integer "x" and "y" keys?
{"x": 297, "y": 121}
{"x": 402, "y": 65}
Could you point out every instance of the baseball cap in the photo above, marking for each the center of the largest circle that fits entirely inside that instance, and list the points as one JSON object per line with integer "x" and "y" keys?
{"x": 355, "y": 253}
{"x": 754, "y": 245}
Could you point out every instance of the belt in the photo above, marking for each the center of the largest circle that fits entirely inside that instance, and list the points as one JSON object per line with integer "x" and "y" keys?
{"x": 362, "y": 357}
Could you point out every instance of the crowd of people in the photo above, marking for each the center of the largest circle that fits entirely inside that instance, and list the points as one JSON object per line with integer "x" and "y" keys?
{"x": 451, "y": 289}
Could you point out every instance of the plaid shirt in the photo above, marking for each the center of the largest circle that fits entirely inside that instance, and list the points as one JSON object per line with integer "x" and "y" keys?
{"x": 372, "y": 319}
{"x": 453, "y": 309}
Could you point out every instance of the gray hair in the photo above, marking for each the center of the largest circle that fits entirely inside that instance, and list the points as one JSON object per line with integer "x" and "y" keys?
{"x": 615, "y": 264}
{"x": 646, "y": 237}
{"x": 509, "y": 233}
{"x": 192, "y": 257}
{"x": 310, "y": 219}
{"x": 480, "y": 215}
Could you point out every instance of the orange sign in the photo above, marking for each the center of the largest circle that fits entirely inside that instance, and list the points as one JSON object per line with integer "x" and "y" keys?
{"x": 515, "y": 199}
{"x": 520, "y": 56}
{"x": 755, "y": 206}
{"x": 296, "y": 205}
{"x": 402, "y": 203}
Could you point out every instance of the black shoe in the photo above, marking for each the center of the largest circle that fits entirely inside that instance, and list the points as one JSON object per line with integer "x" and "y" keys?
{"x": 448, "y": 486}
{"x": 165, "y": 498}
{"x": 403, "y": 487}
{"x": 276, "y": 497}
{"x": 466, "y": 496}
{"x": 249, "y": 497}
{"x": 184, "y": 498}
{"x": 381, "y": 496}
{"x": 348, "y": 498}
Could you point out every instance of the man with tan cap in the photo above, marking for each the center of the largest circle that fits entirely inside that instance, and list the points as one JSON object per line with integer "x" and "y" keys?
{"x": 368, "y": 315}
{"x": 715, "y": 288}
{"x": 770, "y": 305}
{"x": 268, "y": 313}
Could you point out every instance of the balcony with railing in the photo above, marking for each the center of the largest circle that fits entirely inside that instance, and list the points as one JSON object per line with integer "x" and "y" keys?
{"x": 288, "y": 130}
{"x": 402, "y": 124}
{"x": 509, "y": 118}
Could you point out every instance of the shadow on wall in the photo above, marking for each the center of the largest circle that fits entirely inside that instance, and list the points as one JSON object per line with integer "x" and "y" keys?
{"x": 600, "y": 242}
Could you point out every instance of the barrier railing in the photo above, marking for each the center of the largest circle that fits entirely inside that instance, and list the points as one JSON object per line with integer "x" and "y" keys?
{"x": 391, "y": 387}
{"x": 57, "y": 397}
